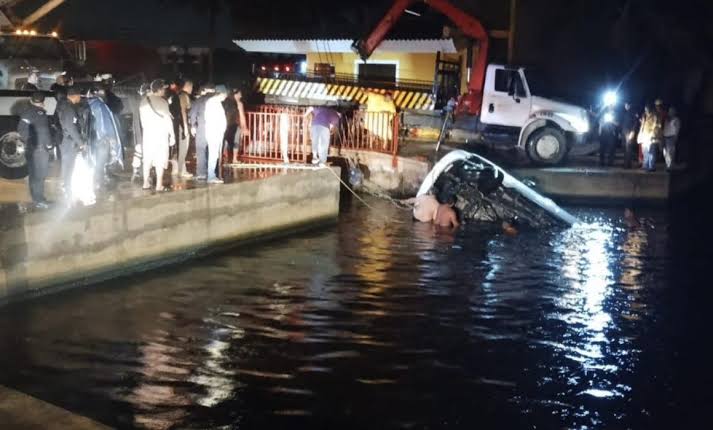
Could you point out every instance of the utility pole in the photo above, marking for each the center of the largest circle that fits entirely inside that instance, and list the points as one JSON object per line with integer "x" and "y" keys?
{"x": 512, "y": 31}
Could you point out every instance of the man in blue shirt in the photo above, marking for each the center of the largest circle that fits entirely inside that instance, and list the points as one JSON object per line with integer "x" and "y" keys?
{"x": 324, "y": 121}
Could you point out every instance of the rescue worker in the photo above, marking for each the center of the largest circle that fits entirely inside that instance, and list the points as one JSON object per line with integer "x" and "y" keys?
{"x": 174, "y": 106}
{"x": 215, "y": 125}
{"x": 33, "y": 81}
{"x": 158, "y": 135}
{"x": 73, "y": 141}
{"x": 426, "y": 208}
{"x": 649, "y": 125}
{"x": 59, "y": 88}
{"x": 608, "y": 136}
{"x": 324, "y": 121}
{"x": 35, "y": 132}
{"x": 196, "y": 117}
{"x": 629, "y": 126}
{"x": 110, "y": 98}
{"x": 184, "y": 98}
{"x": 670, "y": 137}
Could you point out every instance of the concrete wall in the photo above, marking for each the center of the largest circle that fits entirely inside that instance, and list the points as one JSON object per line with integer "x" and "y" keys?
{"x": 419, "y": 67}
{"x": 401, "y": 180}
{"x": 592, "y": 184}
{"x": 44, "y": 249}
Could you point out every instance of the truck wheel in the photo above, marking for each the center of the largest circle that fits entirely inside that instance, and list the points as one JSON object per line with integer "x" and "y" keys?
{"x": 547, "y": 146}
{"x": 13, "y": 163}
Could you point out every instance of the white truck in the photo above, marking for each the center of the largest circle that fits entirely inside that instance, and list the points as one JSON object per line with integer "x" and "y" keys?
{"x": 21, "y": 53}
{"x": 498, "y": 106}
{"x": 511, "y": 116}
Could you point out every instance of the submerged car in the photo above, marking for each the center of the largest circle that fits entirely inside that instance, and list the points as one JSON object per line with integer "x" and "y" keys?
{"x": 482, "y": 191}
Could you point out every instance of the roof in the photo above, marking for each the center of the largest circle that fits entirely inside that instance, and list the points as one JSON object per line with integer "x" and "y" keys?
{"x": 303, "y": 46}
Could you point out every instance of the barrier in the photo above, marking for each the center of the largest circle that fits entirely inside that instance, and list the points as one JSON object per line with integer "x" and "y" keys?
{"x": 275, "y": 137}
{"x": 371, "y": 131}
{"x": 282, "y": 134}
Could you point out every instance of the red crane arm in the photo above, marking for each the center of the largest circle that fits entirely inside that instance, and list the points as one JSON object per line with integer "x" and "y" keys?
{"x": 470, "y": 26}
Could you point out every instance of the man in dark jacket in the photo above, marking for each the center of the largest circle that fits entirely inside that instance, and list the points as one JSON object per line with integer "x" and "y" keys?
{"x": 72, "y": 140}
{"x": 35, "y": 132}
{"x": 197, "y": 123}
{"x": 629, "y": 127}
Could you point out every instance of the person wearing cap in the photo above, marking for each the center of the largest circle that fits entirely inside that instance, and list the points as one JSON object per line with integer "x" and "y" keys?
{"x": 35, "y": 132}
{"x": 196, "y": 117}
{"x": 158, "y": 134}
{"x": 70, "y": 120}
{"x": 215, "y": 125}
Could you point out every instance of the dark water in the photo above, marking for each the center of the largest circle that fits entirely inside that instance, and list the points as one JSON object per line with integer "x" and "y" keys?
{"x": 374, "y": 324}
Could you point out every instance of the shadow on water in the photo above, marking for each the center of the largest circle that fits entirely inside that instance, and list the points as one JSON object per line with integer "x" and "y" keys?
{"x": 378, "y": 322}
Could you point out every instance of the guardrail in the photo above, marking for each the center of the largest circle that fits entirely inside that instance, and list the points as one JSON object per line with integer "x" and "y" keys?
{"x": 275, "y": 137}
{"x": 282, "y": 134}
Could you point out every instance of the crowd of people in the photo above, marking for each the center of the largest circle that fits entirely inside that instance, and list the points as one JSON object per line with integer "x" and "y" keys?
{"x": 83, "y": 131}
{"x": 174, "y": 119}
{"x": 643, "y": 136}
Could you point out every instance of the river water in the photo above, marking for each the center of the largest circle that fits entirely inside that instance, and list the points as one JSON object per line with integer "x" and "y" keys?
{"x": 378, "y": 322}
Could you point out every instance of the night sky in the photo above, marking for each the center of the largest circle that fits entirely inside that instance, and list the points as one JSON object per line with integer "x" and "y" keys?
{"x": 581, "y": 45}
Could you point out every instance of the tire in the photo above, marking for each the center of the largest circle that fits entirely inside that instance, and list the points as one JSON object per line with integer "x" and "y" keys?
{"x": 13, "y": 163}
{"x": 547, "y": 146}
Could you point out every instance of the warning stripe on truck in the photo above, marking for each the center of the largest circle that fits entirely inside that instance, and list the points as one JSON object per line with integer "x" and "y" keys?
{"x": 404, "y": 99}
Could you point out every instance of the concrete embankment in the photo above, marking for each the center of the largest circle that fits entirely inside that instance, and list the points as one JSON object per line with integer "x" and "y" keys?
{"x": 399, "y": 176}
{"x": 19, "y": 411}
{"x": 42, "y": 251}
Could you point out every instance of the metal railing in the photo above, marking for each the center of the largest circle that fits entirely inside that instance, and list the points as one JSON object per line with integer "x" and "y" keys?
{"x": 282, "y": 134}
{"x": 371, "y": 131}
{"x": 275, "y": 137}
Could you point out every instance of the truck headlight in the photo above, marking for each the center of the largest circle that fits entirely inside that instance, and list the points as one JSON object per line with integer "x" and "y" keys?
{"x": 580, "y": 125}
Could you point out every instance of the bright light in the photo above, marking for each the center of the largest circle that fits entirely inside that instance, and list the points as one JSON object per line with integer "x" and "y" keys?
{"x": 303, "y": 67}
{"x": 263, "y": 68}
{"x": 33, "y": 32}
{"x": 287, "y": 68}
{"x": 610, "y": 98}
{"x": 18, "y": 31}
{"x": 82, "y": 182}
{"x": 608, "y": 117}
{"x": 54, "y": 34}
{"x": 276, "y": 68}
{"x": 26, "y": 32}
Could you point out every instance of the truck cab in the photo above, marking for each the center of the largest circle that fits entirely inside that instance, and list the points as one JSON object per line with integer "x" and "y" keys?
{"x": 22, "y": 53}
{"x": 511, "y": 115}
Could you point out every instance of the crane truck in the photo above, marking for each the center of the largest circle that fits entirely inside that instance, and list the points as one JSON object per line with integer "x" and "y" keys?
{"x": 498, "y": 106}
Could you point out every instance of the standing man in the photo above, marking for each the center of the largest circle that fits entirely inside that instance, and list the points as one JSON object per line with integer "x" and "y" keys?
{"x": 215, "y": 125}
{"x": 72, "y": 140}
{"x": 608, "y": 136}
{"x": 324, "y": 121}
{"x": 35, "y": 132}
{"x": 158, "y": 133}
{"x": 629, "y": 125}
{"x": 104, "y": 139}
{"x": 242, "y": 125}
{"x": 184, "y": 98}
{"x": 196, "y": 117}
{"x": 670, "y": 136}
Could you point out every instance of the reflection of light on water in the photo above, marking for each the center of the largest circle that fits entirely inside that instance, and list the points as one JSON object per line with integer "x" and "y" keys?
{"x": 586, "y": 265}
{"x": 214, "y": 375}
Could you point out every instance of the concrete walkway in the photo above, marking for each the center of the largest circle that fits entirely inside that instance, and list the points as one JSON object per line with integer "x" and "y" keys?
{"x": 20, "y": 411}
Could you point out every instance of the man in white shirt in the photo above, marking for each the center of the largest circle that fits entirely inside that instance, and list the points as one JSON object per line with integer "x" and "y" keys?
{"x": 215, "y": 125}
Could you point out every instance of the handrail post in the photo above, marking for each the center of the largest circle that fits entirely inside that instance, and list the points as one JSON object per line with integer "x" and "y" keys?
{"x": 395, "y": 141}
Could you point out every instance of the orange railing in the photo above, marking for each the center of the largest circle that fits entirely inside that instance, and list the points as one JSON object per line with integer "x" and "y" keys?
{"x": 371, "y": 131}
{"x": 278, "y": 134}
{"x": 275, "y": 137}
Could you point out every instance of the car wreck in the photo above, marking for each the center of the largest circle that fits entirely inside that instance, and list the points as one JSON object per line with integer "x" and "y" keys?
{"x": 481, "y": 191}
